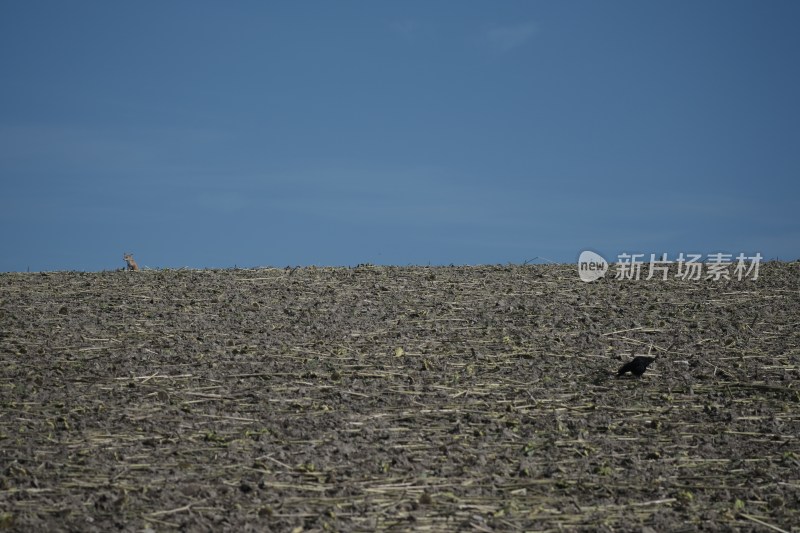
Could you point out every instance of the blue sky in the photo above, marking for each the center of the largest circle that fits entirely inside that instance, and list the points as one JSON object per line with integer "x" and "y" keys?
{"x": 214, "y": 134}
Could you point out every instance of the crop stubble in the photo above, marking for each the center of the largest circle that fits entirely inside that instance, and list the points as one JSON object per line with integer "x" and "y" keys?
{"x": 426, "y": 398}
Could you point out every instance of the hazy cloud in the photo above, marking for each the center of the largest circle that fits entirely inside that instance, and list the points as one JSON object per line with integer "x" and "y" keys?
{"x": 99, "y": 151}
{"x": 506, "y": 38}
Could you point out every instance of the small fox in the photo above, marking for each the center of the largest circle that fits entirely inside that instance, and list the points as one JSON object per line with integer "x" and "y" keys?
{"x": 131, "y": 263}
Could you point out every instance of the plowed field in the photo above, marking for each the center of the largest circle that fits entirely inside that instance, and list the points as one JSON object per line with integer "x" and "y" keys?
{"x": 398, "y": 398}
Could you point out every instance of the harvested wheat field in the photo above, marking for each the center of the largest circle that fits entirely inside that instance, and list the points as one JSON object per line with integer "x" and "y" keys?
{"x": 398, "y": 398}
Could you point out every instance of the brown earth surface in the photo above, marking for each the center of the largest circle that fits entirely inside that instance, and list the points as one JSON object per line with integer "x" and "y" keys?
{"x": 398, "y": 398}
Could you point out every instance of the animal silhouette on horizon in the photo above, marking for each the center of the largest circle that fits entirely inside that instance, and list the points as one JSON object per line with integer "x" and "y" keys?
{"x": 131, "y": 264}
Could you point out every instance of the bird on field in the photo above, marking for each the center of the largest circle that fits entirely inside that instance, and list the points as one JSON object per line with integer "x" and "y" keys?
{"x": 637, "y": 365}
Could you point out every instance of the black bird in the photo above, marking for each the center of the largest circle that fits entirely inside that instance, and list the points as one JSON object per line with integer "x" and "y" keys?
{"x": 637, "y": 365}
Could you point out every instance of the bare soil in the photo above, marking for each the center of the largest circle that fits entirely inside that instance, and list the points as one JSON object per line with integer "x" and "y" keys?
{"x": 398, "y": 398}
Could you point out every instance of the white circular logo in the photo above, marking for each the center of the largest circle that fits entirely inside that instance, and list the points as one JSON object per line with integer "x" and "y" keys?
{"x": 591, "y": 266}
